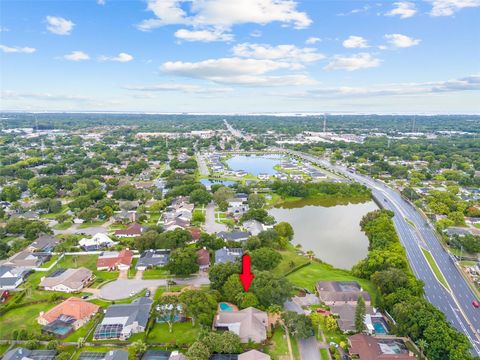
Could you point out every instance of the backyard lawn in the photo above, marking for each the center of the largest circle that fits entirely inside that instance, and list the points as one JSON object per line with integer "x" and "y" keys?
{"x": 279, "y": 347}
{"x": 308, "y": 276}
{"x": 183, "y": 334}
{"x": 290, "y": 260}
{"x": 22, "y": 318}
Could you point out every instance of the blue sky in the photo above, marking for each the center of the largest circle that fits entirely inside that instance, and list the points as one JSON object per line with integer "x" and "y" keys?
{"x": 241, "y": 56}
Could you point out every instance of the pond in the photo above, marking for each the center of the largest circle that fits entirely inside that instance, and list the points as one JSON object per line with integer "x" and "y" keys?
{"x": 208, "y": 183}
{"x": 255, "y": 164}
{"x": 331, "y": 230}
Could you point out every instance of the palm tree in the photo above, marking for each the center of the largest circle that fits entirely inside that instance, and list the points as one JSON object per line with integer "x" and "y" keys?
{"x": 422, "y": 345}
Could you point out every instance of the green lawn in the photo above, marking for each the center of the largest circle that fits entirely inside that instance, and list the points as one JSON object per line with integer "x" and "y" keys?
{"x": 3, "y": 348}
{"x": 63, "y": 226}
{"x": 82, "y": 331}
{"x": 278, "y": 345}
{"x": 22, "y": 318}
{"x": 324, "y": 354}
{"x": 436, "y": 270}
{"x": 309, "y": 275}
{"x": 91, "y": 224}
{"x": 183, "y": 334}
{"x": 290, "y": 260}
{"x": 158, "y": 273}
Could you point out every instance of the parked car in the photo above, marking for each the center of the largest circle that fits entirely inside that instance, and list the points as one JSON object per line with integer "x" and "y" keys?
{"x": 148, "y": 293}
{"x": 85, "y": 297}
{"x": 476, "y": 304}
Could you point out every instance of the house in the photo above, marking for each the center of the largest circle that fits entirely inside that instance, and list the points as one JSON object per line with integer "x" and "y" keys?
{"x": 225, "y": 255}
{"x": 347, "y": 292}
{"x": 460, "y": 231}
{"x": 28, "y": 259}
{"x": 254, "y": 227}
{"x": 365, "y": 347}
{"x": 109, "y": 355}
{"x": 195, "y": 232}
{"x": 123, "y": 320}
{"x": 250, "y": 324}
{"x": 26, "y": 354}
{"x": 132, "y": 230}
{"x": 152, "y": 258}
{"x": 11, "y": 276}
{"x": 238, "y": 210}
{"x": 44, "y": 243}
{"x": 99, "y": 241}
{"x": 254, "y": 355}
{"x": 234, "y": 202}
{"x": 472, "y": 220}
{"x": 263, "y": 176}
{"x": 70, "y": 314}
{"x": 125, "y": 216}
{"x": 234, "y": 235}
{"x": 69, "y": 280}
{"x": 162, "y": 354}
{"x": 203, "y": 259}
{"x": 112, "y": 260}
{"x": 345, "y": 314}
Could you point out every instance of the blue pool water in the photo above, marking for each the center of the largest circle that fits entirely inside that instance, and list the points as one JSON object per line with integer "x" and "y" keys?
{"x": 225, "y": 307}
{"x": 379, "y": 327}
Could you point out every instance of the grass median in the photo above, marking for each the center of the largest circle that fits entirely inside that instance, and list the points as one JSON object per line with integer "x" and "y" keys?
{"x": 436, "y": 270}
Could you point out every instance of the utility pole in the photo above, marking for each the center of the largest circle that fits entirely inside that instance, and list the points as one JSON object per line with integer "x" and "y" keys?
{"x": 324, "y": 123}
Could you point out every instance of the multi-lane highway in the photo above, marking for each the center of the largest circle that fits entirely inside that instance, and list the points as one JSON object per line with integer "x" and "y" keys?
{"x": 456, "y": 301}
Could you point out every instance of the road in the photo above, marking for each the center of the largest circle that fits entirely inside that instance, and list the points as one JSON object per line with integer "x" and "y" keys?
{"x": 455, "y": 304}
{"x": 211, "y": 226}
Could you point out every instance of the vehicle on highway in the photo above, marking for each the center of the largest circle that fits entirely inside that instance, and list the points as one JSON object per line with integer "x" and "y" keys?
{"x": 132, "y": 293}
{"x": 476, "y": 304}
{"x": 85, "y": 297}
{"x": 148, "y": 293}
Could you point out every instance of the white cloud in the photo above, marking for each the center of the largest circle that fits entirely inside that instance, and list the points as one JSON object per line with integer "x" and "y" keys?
{"x": 312, "y": 40}
{"x": 469, "y": 83}
{"x": 186, "y": 88}
{"x": 101, "y": 2}
{"x": 289, "y": 53}
{"x": 221, "y": 15}
{"x": 203, "y": 35}
{"x": 17, "y": 49}
{"x": 58, "y": 25}
{"x": 404, "y": 9}
{"x": 449, "y": 7}
{"x": 401, "y": 41}
{"x": 122, "y": 57}
{"x": 353, "y": 62}
{"x": 237, "y": 71}
{"x": 4, "y": 29}
{"x": 355, "y": 42}
{"x": 77, "y": 56}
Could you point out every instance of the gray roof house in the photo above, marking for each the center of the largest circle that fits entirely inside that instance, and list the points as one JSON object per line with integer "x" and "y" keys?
{"x": 337, "y": 292}
{"x": 26, "y": 354}
{"x": 45, "y": 243}
{"x": 123, "y": 320}
{"x": 109, "y": 355}
{"x": 254, "y": 227}
{"x": 152, "y": 258}
{"x": 250, "y": 324}
{"x": 28, "y": 259}
{"x": 234, "y": 235}
{"x": 225, "y": 255}
{"x": 11, "y": 276}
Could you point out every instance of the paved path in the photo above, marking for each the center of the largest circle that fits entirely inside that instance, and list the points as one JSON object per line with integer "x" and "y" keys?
{"x": 121, "y": 288}
{"x": 212, "y": 227}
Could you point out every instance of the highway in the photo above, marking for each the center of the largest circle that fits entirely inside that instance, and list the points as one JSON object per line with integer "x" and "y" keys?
{"x": 456, "y": 302}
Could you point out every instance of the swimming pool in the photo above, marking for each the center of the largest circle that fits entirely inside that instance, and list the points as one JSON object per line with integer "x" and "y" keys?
{"x": 225, "y": 307}
{"x": 379, "y": 327}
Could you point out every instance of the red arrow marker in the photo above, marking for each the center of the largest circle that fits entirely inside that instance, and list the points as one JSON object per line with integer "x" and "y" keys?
{"x": 246, "y": 276}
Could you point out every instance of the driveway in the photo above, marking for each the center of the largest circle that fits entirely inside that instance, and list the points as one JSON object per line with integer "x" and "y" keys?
{"x": 212, "y": 227}
{"x": 121, "y": 288}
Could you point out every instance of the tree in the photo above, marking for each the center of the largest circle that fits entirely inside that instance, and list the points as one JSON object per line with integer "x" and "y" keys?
{"x": 198, "y": 217}
{"x": 80, "y": 342}
{"x": 200, "y": 197}
{"x": 331, "y": 323}
{"x": 199, "y": 305}
{"x": 360, "y": 314}
{"x": 89, "y": 214}
{"x": 10, "y": 193}
{"x": 232, "y": 288}
{"x": 256, "y": 201}
{"x": 52, "y": 345}
{"x": 167, "y": 310}
{"x": 219, "y": 273}
{"x": 63, "y": 356}
{"x": 270, "y": 290}
{"x": 198, "y": 351}
{"x": 265, "y": 258}
{"x": 299, "y": 325}
{"x": 137, "y": 348}
{"x": 183, "y": 262}
{"x": 223, "y": 194}
{"x": 247, "y": 300}
{"x": 285, "y": 230}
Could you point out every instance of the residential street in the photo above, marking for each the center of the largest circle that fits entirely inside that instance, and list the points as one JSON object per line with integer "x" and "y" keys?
{"x": 211, "y": 226}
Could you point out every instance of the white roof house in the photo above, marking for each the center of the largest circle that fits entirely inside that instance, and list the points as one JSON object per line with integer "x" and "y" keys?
{"x": 98, "y": 241}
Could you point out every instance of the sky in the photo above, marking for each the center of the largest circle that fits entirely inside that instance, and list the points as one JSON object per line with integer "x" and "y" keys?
{"x": 240, "y": 56}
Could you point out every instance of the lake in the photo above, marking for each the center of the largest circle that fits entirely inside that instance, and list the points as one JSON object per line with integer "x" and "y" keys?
{"x": 254, "y": 164}
{"x": 331, "y": 230}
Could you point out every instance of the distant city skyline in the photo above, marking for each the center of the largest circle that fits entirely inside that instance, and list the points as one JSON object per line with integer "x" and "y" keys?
{"x": 241, "y": 56}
